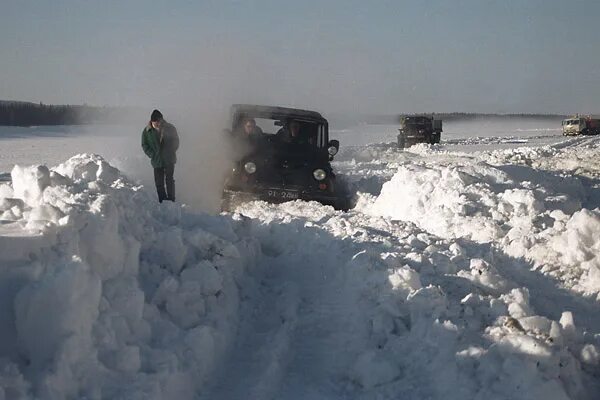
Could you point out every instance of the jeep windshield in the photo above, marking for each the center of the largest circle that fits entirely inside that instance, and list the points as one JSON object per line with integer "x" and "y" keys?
{"x": 308, "y": 135}
{"x": 293, "y": 131}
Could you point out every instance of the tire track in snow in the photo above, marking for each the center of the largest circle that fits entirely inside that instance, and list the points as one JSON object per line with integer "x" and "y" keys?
{"x": 300, "y": 327}
{"x": 578, "y": 141}
{"x": 259, "y": 357}
{"x": 325, "y": 338}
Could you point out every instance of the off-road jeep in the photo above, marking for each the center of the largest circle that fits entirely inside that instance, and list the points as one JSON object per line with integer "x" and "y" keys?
{"x": 287, "y": 158}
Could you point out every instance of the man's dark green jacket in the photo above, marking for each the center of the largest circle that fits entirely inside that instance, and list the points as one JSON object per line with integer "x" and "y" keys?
{"x": 160, "y": 145}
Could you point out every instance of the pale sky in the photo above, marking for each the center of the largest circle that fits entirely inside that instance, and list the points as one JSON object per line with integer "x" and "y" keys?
{"x": 337, "y": 56}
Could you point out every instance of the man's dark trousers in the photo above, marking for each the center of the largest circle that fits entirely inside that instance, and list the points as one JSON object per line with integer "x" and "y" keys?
{"x": 164, "y": 176}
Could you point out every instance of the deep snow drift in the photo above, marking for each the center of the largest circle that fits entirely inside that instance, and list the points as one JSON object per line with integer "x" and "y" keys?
{"x": 456, "y": 276}
{"x": 106, "y": 295}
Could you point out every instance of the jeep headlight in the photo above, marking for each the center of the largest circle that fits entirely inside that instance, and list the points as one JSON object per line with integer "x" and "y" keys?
{"x": 250, "y": 167}
{"x": 319, "y": 174}
{"x": 332, "y": 150}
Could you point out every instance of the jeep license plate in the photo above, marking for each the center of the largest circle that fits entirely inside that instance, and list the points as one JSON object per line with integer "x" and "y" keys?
{"x": 283, "y": 194}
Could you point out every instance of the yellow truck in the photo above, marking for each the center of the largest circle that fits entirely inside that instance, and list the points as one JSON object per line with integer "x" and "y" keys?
{"x": 581, "y": 125}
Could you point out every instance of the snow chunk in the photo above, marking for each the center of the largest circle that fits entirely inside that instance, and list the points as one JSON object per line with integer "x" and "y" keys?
{"x": 63, "y": 305}
{"x": 590, "y": 355}
{"x": 169, "y": 249}
{"x": 373, "y": 369}
{"x": 405, "y": 279}
{"x": 5, "y": 191}
{"x": 518, "y": 302}
{"x": 428, "y": 301}
{"x": 568, "y": 325}
{"x": 29, "y": 183}
{"x": 485, "y": 275}
{"x": 88, "y": 168}
{"x": 203, "y": 344}
{"x": 205, "y": 274}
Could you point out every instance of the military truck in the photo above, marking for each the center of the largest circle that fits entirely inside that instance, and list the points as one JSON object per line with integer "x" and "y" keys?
{"x": 581, "y": 125}
{"x": 289, "y": 158}
{"x": 419, "y": 129}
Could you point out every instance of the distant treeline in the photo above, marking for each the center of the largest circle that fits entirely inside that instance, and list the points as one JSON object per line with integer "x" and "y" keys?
{"x": 460, "y": 116}
{"x": 456, "y": 116}
{"x": 17, "y": 113}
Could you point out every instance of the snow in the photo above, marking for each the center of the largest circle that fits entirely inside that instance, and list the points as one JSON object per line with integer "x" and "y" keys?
{"x": 97, "y": 298}
{"x": 465, "y": 270}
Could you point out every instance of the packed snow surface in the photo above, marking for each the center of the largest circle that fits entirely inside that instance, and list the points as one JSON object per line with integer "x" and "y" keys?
{"x": 457, "y": 275}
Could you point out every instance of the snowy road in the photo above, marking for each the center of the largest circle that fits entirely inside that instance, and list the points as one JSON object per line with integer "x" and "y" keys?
{"x": 299, "y": 363}
{"x": 460, "y": 273}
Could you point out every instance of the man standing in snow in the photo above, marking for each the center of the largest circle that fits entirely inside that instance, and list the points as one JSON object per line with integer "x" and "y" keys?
{"x": 160, "y": 142}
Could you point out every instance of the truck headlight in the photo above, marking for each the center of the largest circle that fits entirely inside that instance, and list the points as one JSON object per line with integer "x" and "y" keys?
{"x": 319, "y": 174}
{"x": 250, "y": 167}
{"x": 332, "y": 150}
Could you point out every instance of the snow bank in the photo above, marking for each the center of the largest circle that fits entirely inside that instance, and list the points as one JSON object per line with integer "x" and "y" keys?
{"x": 576, "y": 155}
{"x": 424, "y": 317}
{"x": 105, "y": 293}
{"x": 528, "y": 212}
{"x": 568, "y": 250}
{"x": 474, "y": 199}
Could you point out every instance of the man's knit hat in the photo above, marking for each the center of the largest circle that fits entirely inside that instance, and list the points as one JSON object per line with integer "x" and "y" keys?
{"x": 156, "y": 116}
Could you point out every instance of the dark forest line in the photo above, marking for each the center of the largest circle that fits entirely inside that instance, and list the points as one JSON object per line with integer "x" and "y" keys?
{"x": 461, "y": 116}
{"x": 19, "y": 113}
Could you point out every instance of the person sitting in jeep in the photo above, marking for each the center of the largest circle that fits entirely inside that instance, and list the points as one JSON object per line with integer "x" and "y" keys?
{"x": 292, "y": 133}
{"x": 251, "y": 131}
{"x": 247, "y": 137}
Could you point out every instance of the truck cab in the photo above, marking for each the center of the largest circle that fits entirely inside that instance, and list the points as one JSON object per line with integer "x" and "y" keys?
{"x": 581, "y": 125}
{"x": 572, "y": 126}
{"x": 419, "y": 129}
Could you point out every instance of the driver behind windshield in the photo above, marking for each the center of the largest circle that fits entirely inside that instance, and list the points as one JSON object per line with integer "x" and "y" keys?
{"x": 292, "y": 133}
